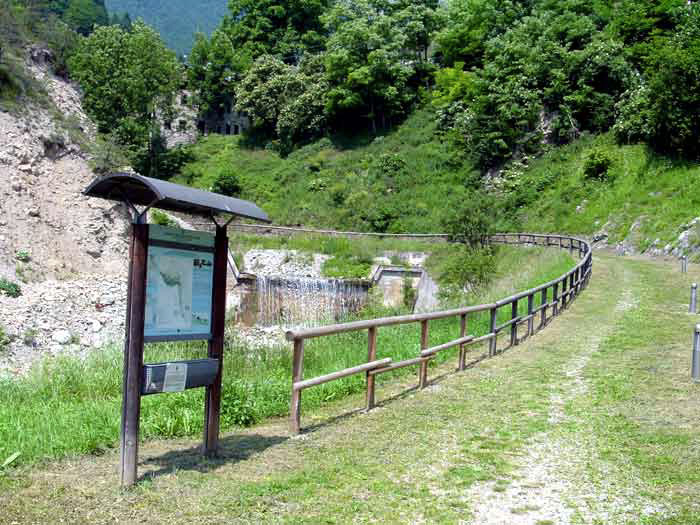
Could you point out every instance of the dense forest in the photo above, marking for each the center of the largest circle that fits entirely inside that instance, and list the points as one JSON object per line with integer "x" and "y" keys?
{"x": 396, "y": 115}
{"x": 176, "y": 20}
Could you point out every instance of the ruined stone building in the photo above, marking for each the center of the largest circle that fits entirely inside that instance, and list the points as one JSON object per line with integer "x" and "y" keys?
{"x": 187, "y": 124}
{"x": 225, "y": 122}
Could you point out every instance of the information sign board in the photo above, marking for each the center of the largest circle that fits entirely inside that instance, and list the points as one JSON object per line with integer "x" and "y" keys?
{"x": 179, "y": 284}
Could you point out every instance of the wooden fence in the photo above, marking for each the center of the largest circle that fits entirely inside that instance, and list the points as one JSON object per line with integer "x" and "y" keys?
{"x": 554, "y": 297}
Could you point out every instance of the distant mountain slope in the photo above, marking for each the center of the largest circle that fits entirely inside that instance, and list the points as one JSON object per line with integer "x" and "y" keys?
{"x": 176, "y": 20}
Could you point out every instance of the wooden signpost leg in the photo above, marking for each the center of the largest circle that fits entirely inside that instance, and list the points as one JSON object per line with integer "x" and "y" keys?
{"x": 133, "y": 355}
{"x": 212, "y": 407}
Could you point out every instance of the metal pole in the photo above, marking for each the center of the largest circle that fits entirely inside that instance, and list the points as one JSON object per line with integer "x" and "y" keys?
{"x": 693, "y": 299}
{"x": 695, "y": 367}
{"x": 684, "y": 264}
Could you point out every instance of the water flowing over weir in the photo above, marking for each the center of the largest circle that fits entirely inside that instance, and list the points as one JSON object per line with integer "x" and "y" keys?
{"x": 307, "y": 301}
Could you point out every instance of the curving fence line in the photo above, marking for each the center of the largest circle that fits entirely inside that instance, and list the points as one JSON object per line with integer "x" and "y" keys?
{"x": 543, "y": 304}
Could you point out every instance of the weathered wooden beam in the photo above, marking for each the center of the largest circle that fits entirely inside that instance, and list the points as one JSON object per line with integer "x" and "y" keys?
{"x": 301, "y": 385}
{"x": 131, "y": 401}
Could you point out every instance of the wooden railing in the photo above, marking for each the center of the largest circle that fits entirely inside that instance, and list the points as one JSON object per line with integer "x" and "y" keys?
{"x": 553, "y": 297}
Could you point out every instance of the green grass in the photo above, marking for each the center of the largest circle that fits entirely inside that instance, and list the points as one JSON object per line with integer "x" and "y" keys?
{"x": 628, "y": 438}
{"x": 69, "y": 406}
{"x": 402, "y": 182}
{"x": 350, "y": 257}
{"x": 642, "y": 186}
{"x": 352, "y": 186}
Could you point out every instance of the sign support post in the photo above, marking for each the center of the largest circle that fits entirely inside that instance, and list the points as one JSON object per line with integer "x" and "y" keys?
{"x": 212, "y": 407}
{"x": 133, "y": 353}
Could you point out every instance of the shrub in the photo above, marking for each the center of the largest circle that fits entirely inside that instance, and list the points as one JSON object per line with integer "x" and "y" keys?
{"x": 23, "y": 256}
{"x": 10, "y": 288}
{"x": 4, "y": 339}
{"x": 160, "y": 218}
{"x": 227, "y": 183}
{"x": 471, "y": 221}
{"x": 596, "y": 165}
{"x": 464, "y": 269}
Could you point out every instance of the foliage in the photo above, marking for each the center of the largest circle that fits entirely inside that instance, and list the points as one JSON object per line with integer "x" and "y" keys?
{"x": 403, "y": 182}
{"x": 364, "y": 65}
{"x": 286, "y": 102}
{"x": 283, "y": 28}
{"x": 596, "y": 165}
{"x": 472, "y": 221}
{"x": 550, "y": 76}
{"x": 347, "y": 267}
{"x": 227, "y": 183}
{"x": 10, "y": 288}
{"x": 126, "y": 77}
{"x": 214, "y": 70}
{"x": 161, "y": 218}
{"x": 4, "y": 339}
{"x": 469, "y": 269}
{"x": 23, "y": 256}
{"x": 83, "y": 15}
{"x": 176, "y": 20}
{"x": 663, "y": 109}
{"x": 107, "y": 154}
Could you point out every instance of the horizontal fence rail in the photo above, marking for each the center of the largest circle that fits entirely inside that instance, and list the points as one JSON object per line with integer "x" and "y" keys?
{"x": 554, "y": 297}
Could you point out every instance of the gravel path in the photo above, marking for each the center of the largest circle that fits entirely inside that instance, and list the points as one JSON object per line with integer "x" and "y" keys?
{"x": 561, "y": 479}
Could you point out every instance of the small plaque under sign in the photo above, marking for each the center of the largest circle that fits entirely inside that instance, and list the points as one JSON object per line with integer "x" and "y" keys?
{"x": 175, "y": 377}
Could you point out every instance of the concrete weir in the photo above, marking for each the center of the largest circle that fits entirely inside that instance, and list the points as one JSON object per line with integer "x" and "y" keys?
{"x": 309, "y": 301}
{"x": 299, "y": 301}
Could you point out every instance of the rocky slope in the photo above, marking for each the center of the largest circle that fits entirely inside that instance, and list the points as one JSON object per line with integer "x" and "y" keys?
{"x": 67, "y": 252}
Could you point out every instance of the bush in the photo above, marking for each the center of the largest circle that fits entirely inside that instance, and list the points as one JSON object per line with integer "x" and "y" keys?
{"x": 160, "y": 218}
{"x": 4, "y": 339}
{"x": 23, "y": 256}
{"x": 9, "y": 288}
{"x": 471, "y": 221}
{"x": 227, "y": 183}
{"x": 596, "y": 165}
{"x": 466, "y": 270}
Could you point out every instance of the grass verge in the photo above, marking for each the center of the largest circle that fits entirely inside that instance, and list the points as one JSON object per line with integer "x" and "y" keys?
{"x": 68, "y": 406}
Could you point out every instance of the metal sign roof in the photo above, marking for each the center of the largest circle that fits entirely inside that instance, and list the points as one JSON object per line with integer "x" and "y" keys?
{"x": 165, "y": 195}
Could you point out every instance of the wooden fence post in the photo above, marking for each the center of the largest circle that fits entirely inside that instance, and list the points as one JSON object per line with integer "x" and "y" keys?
{"x": 543, "y": 302}
{"x": 424, "y": 336}
{"x": 493, "y": 345}
{"x": 371, "y": 356}
{"x": 514, "y": 325}
{"x": 564, "y": 289}
{"x": 531, "y": 320}
{"x": 297, "y": 375}
{"x": 555, "y": 300}
{"x": 462, "y": 333}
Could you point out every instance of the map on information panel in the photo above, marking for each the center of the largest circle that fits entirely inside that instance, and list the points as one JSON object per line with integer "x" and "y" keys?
{"x": 179, "y": 284}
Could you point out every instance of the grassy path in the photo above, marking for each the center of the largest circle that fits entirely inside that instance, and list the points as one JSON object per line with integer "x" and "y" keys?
{"x": 592, "y": 421}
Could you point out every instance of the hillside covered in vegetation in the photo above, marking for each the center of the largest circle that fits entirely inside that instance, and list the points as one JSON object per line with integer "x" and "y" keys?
{"x": 419, "y": 116}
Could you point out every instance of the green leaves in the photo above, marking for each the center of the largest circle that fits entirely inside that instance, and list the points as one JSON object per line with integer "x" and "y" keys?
{"x": 126, "y": 78}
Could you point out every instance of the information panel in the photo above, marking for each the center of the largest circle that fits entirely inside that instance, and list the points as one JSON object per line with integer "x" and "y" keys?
{"x": 179, "y": 285}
